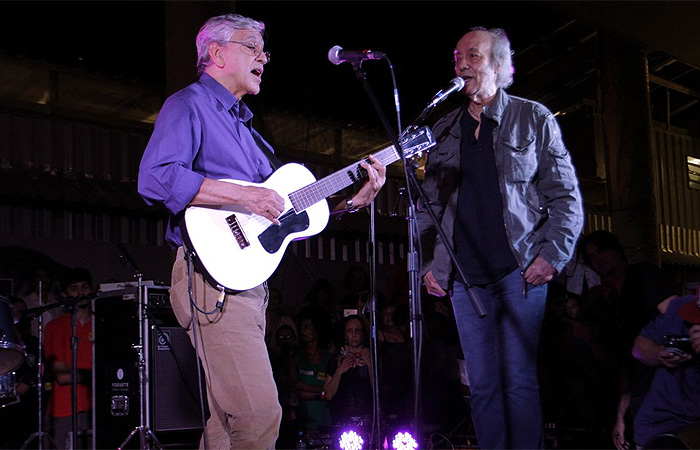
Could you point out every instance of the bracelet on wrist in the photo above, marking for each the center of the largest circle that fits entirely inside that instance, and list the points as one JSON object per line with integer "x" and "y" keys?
{"x": 350, "y": 207}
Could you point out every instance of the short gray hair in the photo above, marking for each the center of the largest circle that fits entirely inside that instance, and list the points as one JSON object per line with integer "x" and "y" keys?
{"x": 220, "y": 29}
{"x": 501, "y": 55}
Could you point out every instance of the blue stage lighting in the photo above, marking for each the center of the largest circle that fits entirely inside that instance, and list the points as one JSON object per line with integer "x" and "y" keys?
{"x": 351, "y": 440}
{"x": 403, "y": 440}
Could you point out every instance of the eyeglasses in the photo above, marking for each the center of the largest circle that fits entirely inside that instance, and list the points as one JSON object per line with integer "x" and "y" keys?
{"x": 253, "y": 49}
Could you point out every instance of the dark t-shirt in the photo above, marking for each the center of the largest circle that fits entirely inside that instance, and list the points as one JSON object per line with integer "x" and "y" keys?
{"x": 481, "y": 244}
{"x": 354, "y": 395}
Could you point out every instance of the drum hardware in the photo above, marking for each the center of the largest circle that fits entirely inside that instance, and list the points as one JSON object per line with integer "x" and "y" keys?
{"x": 12, "y": 352}
{"x": 8, "y": 390}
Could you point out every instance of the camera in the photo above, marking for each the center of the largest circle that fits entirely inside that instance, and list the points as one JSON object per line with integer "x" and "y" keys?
{"x": 679, "y": 345}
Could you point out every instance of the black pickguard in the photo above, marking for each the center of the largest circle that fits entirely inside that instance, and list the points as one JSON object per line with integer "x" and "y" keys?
{"x": 271, "y": 239}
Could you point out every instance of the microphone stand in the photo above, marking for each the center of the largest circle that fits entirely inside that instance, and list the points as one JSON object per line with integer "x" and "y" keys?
{"x": 74, "y": 372}
{"x": 376, "y": 426}
{"x": 413, "y": 260}
{"x": 73, "y": 303}
{"x": 39, "y": 377}
{"x": 413, "y": 183}
{"x": 145, "y": 433}
{"x": 372, "y": 303}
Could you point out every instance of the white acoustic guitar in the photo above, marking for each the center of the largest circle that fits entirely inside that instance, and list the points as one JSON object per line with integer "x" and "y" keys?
{"x": 238, "y": 250}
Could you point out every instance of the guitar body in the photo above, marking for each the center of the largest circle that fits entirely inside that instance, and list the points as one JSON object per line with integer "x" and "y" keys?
{"x": 241, "y": 250}
{"x": 238, "y": 250}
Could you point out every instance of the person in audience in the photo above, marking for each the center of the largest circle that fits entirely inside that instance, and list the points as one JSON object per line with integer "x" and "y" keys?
{"x": 395, "y": 350}
{"x": 573, "y": 375}
{"x": 349, "y": 375}
{"x": 315, "y": 349}
{"x": 356, "y": 283}
{"x": 76, "y": 286}
{"x": 322, "y": 294}
{"x": 672, "y": 404}
{"x": 629, "y": 296}
{"x": 49, "y": 294}
{"x": 274, "y": 319}
{"x": 283, "y": 363}
{"x": 441, "y": 401}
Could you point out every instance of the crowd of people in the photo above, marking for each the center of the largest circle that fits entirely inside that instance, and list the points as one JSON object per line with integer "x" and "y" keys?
{"x": 598, "y": 360}
{"x": 594, "y": 383}
{"x": 324, "y": 364}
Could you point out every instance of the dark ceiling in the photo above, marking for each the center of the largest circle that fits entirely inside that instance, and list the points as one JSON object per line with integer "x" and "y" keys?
{"x": 554, "y": 47}
{"x": 667, "y": 26}
{"x": 126, "y": 39}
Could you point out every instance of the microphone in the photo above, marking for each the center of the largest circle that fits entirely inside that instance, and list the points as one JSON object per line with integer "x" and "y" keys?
{"x": 337, "y": 55}
{"x": 457, "y": 84}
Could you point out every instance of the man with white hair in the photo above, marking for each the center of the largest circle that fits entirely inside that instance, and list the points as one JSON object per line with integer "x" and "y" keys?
{"x": 504, "y": 190}
{"x": 203, "y": 135}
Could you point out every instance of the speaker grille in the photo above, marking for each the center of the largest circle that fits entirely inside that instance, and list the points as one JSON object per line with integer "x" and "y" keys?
{"x": 174, "y": 380}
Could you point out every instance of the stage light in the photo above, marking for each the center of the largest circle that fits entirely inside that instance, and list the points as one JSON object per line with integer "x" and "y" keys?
{"x": 351, "y": 440}
{"x": 403, "y": 440}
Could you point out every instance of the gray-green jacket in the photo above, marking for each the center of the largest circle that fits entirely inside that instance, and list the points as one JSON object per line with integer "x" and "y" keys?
{"x": 543, "y": 208}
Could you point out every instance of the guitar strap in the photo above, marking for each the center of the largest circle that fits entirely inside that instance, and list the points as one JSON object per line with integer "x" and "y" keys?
{"x": 274, "y": 160}
{"x": 191, "y": 255}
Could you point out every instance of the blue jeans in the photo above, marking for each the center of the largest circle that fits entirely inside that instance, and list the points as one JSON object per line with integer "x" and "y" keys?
{"x": 500, "y": 352}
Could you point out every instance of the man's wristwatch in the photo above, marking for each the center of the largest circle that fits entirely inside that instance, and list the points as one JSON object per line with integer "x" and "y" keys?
{"x": 349, "y": 206}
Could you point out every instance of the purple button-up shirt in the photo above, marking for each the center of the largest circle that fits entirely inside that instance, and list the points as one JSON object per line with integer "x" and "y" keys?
{"x": 202, "y": 131}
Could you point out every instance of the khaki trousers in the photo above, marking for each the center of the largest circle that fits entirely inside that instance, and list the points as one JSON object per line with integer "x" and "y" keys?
{"x": 241, "y": 391}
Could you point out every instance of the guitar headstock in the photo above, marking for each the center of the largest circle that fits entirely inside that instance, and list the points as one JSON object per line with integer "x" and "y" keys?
{"x": 416, "y": 142}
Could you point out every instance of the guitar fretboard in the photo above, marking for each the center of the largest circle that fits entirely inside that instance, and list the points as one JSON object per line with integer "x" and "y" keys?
{"x": 329, "y": 185}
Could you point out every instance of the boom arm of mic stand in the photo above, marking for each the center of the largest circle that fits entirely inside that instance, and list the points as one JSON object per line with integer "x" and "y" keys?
{"x": 362, "y": 76}
{"x": 419, "y": 120}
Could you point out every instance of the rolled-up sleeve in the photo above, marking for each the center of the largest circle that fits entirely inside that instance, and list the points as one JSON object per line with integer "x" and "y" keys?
{"x": 165, "y": 173}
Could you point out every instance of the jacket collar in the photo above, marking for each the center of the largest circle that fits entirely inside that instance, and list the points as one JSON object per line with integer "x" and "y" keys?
{"x": 497, "y": 107}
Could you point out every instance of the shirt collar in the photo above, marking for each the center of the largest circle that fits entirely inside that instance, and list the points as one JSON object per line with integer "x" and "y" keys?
{"x": 229, "y": 101}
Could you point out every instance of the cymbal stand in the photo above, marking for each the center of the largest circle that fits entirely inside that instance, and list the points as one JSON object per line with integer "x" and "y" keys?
{"x": 146, "y": 436}
{"x": 39, "y": 380}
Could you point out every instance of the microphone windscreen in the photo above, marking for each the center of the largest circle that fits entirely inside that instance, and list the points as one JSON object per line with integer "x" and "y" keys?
{"x": 334, "y": 54}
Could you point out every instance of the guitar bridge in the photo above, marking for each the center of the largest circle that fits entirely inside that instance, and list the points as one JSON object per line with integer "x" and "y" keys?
{"x": 237, "y": 231}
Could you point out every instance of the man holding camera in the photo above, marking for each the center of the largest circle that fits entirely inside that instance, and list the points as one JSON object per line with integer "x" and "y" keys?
{"x": 670, "y": 342}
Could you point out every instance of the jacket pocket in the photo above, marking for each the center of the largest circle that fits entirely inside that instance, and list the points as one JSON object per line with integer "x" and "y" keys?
{"x": 520, "y": 158}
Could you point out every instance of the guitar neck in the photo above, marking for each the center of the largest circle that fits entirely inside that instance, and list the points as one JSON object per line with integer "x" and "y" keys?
{"x": 329, "y": 185}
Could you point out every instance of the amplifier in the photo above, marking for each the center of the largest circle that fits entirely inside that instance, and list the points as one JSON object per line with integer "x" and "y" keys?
{"x": 171, "y": 395}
